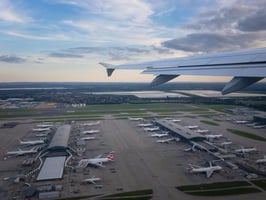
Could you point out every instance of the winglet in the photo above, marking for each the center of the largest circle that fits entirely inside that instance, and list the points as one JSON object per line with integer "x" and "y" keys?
{"x": 109, "y": 68}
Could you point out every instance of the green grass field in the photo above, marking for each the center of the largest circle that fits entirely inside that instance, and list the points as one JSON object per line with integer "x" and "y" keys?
{"x": 247, "y": 135}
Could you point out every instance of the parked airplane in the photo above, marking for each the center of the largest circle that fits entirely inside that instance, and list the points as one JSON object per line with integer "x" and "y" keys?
{"x": 41, "y": 134}
{"x": 145, "y": 125}
{"x": 92, "y": 180}
{"x": 259, "y": 126}
{"x": 247, "y": 67}
{"x": 176, "y": 120}
{"x": 168, "y": 140}
{"x": 87, "y": 138}
{"x": 97, "y": 161}
{"x": 152, "y": 129}
{"x": 213, "y": 136}
{"x": 91, "y": 131}
{"x": 41, "y": 129}
{"x": 192, "y": 127}
{"x": 260, "y": 161}
{"x": 224, "y": 144}
{"x": 30, "y": 142}
{"x": 44, "y": 125}
{"x": 208, "y": 170}
{"x": 201, "y": 131}
{"x": 91, "y": 123}
{"x": 241, "y": 122}
{"x": 20, "y": 152}
{"x": 246, "y": 150}
{"x": 194, "y": 146}
{"x": 159, "y": 135}
{"x": 135, "y": 118}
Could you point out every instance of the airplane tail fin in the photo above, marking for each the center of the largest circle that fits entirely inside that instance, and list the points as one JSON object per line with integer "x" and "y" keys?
{"x": 109, "y": 68}
{"x": 18, "y": 141}
{"x": 110, "y": 157}
{"x": 190, "y": 167}
{"x": 4, "y": 152}
{"x": 111, "y": 153}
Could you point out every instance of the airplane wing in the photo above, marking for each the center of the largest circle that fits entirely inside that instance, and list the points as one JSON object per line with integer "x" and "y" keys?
{"x": 99, "y": 156}
{"x": 209, "y": 173}
{"x": 98, "y": 164}
{"x": 246, "y": 67}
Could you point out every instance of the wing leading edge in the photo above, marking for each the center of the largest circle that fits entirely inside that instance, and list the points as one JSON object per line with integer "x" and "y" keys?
{"x": 246, "y": 68}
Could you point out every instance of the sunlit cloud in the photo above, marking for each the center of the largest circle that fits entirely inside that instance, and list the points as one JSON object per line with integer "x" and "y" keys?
{"x": 9, "y": 13}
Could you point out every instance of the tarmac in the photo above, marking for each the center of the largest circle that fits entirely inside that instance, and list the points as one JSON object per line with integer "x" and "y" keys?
{"x": 139, "y": 161}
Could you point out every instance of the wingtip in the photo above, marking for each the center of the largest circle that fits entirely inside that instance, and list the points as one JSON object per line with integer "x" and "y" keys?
{"x": 109, "y": 68}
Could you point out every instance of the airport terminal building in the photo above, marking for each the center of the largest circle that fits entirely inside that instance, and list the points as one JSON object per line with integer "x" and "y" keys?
{"x": 60, "y": 139}
{"x": 180, "y": 131}
{"x": 53, "y": 166}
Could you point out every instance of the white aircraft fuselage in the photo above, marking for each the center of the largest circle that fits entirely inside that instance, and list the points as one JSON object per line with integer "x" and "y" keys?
{"x": 30, "y": 142}
{"x": 92, "y": 180}
{"x": 208, "y": 170}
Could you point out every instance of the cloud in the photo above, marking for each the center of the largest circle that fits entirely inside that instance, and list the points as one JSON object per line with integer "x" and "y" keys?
{"x": 9, "y": 13}
{"x": 210, "y": 42}
{"x": 233, "y": 26}
{"x": 34, "y": 37}
{"x": 219, "y": 19}
{"x": 255, "y": 22}
{"x": 64, "y": 55}
{"x": 112, "y": 52}
{"x": 11, "y": 59}
{"x": 134, "y": 10}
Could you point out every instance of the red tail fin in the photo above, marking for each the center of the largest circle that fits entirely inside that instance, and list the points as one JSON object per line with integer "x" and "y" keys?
{"x": 4, "y": 152}
{"x": 190, "y": 168}
{"x": 110, "y": 157}
{"x": 18, "y": 141}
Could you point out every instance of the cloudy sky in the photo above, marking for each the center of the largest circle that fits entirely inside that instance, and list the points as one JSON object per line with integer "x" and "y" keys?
{"x": 64, "y": 40}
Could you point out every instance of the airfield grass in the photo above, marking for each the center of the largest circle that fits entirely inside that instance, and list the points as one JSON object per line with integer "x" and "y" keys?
{"x": 209, "y": 122}
{"x": 260, "y": 183}
{"x": 212, "y": 186}
{"x": 219, "y": 189}
{"x": 79, "y": 197}
{"x": 234, "y": 191}
{"x": 117, "y": 110}
{"x": 247, "y": 135}
{"x": 139, "y": 194}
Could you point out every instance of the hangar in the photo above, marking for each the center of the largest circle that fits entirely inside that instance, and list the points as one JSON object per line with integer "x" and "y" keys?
{"x": 183, "y": 132}
{"x": 60, "y": 139}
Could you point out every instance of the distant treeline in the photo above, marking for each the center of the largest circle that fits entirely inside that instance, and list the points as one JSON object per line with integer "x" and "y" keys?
{"x": 107, "y": 87}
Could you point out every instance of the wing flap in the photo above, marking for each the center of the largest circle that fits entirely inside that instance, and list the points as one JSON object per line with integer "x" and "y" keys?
{"x": 237, "y": 83}
{"x": 158, "y": 80}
